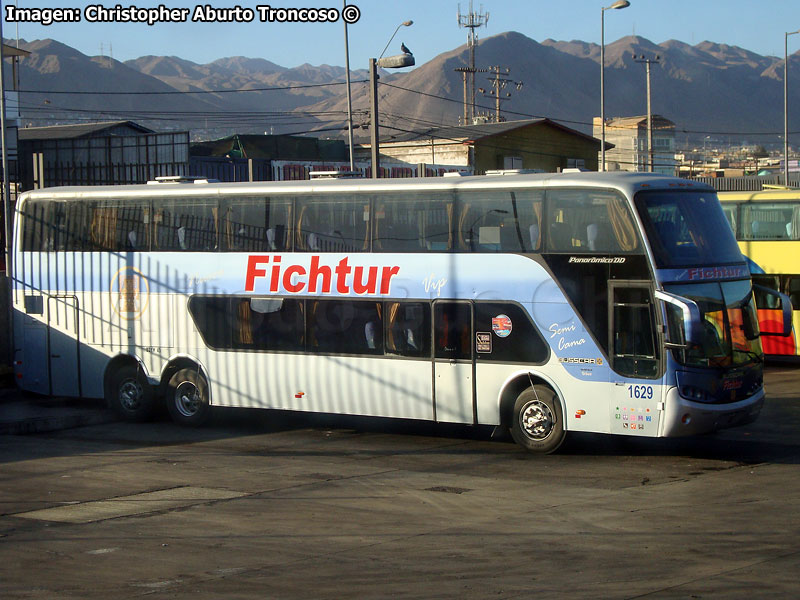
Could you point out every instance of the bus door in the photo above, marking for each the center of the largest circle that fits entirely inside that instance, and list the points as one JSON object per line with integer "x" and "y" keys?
{"x": 63, "y": 343}
{"x": 453, "y": 362}
{"x": 634, "y": 354}
{"x": 35, "y": 376}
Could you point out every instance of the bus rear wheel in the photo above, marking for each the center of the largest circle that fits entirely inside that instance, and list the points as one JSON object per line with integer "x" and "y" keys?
{"x": 537, "y": 421}
{"x": 187, "y": 398}
{"x": 130, "y": 395}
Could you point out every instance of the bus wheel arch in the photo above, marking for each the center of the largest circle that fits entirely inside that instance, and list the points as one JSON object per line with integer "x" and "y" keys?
{"x": 127, "y": 389}
{"x": 186, "y": 392}
{"x": 533, "y": 412}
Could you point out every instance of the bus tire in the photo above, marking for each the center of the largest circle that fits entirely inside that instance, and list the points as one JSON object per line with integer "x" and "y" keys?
{"x": 187, "y": 398}
{"x": 537, "y": 422}
{"x": 130, "y": 394}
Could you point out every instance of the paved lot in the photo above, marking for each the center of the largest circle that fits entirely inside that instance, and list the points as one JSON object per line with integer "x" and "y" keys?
{"x": 264, "y": 505}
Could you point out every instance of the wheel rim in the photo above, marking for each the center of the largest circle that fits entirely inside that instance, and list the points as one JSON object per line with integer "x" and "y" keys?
{"x": 187, "y": 399}
{"x": 537, "y": 420}
{"x": 130, "y": 395}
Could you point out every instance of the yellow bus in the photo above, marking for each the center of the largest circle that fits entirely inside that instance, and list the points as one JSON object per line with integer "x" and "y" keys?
{"x": 767, "y": 227}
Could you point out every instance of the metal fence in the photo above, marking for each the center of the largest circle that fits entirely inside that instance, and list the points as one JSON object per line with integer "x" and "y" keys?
{"x": 103, "y": 160}
{"x": 70, "y": 173}
{"x": 223, "y": 168}
{"x": 262, "y": 169}
{"x": 747, "y": 184}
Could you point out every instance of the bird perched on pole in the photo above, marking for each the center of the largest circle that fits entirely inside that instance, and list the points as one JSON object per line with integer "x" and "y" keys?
{"x": 404, "y": 49}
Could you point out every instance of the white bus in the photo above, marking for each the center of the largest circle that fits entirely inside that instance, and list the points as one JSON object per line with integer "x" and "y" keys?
{"x": 614, "y": 303}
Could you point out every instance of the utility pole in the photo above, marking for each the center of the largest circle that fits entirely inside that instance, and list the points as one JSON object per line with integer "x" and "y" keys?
{"x": 647, "y": 62}
{"x": 373, "y": 106}
{"x": 464, "y": 71}
{"x": 498, "y": 85}
{"x": 786, "y": 106}
{"x": 472, "y": 21}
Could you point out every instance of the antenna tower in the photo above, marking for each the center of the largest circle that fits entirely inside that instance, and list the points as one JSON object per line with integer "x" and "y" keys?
{"x": 471, "y": 21}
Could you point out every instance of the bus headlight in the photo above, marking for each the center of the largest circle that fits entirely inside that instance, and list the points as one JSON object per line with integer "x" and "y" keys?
{"x": 693, "y": 393}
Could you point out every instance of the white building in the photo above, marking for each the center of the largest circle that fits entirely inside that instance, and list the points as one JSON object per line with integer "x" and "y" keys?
{"x": 629, "y": 136}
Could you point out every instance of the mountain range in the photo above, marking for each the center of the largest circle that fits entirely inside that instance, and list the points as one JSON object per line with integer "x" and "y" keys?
{"x": 709, "y": 90}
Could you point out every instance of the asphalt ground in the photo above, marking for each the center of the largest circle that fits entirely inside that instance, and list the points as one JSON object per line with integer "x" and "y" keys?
{"x": 279, "y": 505}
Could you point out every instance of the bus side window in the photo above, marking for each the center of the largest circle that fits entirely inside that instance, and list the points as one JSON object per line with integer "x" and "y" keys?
{"x": 768, "y": 221}
{"x": 589, "y": 221}
{"x": 793, "y": 290}
{"x": 345, "y": 327}
{"x": 396, "y": 224}
{"x": 499, "y": 221}
{"x": 214, "y": 318}
{"x": 186, "y": 224}
{"x": 333, "y": 224}
{"x": 408, "y": 328}
{"x": 524, "y": 343}
{"x": 452, "y": 330}
{"x": 600, "y": 237}
{"x": 481, "y": 227}
{"x": 729, "y": 209}
{"x": 36, "y": 226}
{"x": 119, "y": 226}
{"x": 437, "y": 223}
{"x": 256, "y": 225}
{"x": 276, "y": 323}
{"x": 793, "y": 228}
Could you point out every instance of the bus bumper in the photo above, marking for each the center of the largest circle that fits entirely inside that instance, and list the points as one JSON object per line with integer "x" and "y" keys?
{"x": 684, "y": 417}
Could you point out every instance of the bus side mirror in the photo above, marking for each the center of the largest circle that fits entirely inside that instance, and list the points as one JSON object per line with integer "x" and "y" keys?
{"x": 785, "y": 304}
{"x": 750, "y": 325}
{"x": 693, "y": 331}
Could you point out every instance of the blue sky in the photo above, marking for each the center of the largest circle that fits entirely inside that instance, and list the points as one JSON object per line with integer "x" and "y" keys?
{"x": 756, "y": 26}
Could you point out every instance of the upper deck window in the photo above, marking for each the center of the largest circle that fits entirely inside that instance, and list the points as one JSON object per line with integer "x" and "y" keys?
{"x": 589, "y": 221}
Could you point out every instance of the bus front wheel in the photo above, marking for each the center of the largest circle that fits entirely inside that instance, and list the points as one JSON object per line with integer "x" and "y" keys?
{"x": 130, "y": 395}
{"x": 537, "y": 422}
{"x": 187, "y": 398}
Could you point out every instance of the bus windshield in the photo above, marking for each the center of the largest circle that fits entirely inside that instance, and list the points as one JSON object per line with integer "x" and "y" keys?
{"x": 687, "y": 229}
{"x": 729, "y": 318}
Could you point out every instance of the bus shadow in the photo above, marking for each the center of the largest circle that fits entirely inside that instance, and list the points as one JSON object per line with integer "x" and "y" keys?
{"x": 761, "y": 442}
{"x": 743, "y": 449}
{"x": 749, "y": 445}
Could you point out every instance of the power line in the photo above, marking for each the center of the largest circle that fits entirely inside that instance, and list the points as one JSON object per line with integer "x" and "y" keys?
{"x": 573, "y": 122}
{"x": 172, "y": 92}
{"x": 250, "y": 116}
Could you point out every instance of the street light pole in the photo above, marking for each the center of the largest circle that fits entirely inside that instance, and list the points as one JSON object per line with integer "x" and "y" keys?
{"x": 401, "y": 60}
{"x": 6, "y": 199}
{"x": 786, "y": 106}
{"x": 349, "y": 99}
{"x": 4, "y": 147}
{"x": 619, "y": 4}
{"x": 408, "y": 23}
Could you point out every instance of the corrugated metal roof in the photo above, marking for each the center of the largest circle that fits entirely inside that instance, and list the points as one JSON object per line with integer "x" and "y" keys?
{"x": 284, "y": 147}
{"x": 59, "y": 132}
{"x": 9, "y": 51}
{"x": 471, "y": 133}
{"x": 630, "y": 122}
